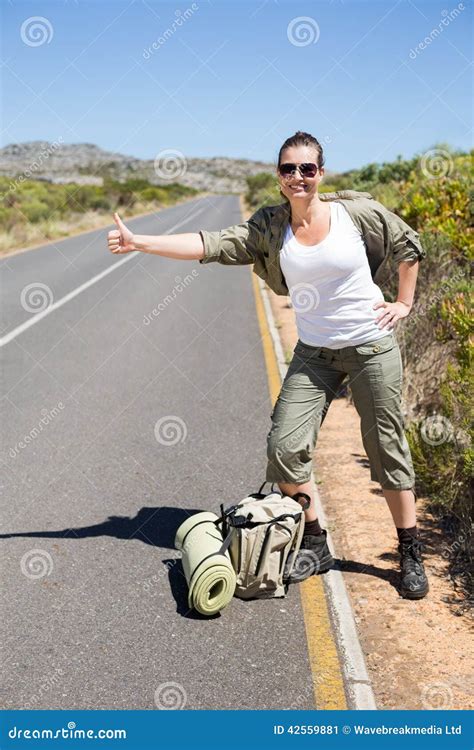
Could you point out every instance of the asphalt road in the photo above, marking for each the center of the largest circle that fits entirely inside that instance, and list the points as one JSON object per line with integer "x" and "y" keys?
{"x": 94, "y": 600}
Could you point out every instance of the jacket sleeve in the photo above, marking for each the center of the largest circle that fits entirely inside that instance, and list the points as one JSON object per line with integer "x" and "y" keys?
{"x": 405, "y": 242}
{"x": 237, "y": 245}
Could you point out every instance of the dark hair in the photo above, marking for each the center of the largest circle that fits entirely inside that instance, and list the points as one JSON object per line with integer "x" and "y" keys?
{"x": 302, "y": 139}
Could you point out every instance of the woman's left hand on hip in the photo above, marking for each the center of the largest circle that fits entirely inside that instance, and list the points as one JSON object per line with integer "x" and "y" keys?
{"x": 392, "y": 312}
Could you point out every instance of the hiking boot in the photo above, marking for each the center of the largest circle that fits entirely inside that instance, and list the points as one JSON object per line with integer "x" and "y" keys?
{"x": 413, "y": 580}
{"x": 313, "y": 557}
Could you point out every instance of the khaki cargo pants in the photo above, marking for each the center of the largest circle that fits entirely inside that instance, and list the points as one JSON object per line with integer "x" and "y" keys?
{"x": 313, "y": 378}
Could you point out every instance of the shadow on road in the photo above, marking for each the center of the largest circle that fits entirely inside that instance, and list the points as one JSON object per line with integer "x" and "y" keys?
{"x": 154, "y": 526}
{"x": 157, "y": 527}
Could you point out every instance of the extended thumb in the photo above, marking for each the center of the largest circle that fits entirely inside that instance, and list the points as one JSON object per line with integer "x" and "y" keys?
{"x": 118, "y": 221}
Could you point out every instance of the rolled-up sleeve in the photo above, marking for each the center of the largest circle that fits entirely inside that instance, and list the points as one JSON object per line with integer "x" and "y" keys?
{"x": 237, "y": 245}
{"x": 405, "y": 241}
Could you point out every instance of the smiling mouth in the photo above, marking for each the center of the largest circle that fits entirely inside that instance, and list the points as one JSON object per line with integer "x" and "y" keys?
{"x": 297, "y": 187}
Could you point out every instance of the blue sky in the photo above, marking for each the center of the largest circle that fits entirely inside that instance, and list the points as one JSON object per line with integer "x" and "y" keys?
{"x": 237, "y": 78}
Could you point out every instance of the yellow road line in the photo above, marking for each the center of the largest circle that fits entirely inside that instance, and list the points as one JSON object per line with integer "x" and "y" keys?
{"x": 274, "y": 380}
{"x": 326, "y": 670}
{"x": 328, "y": 682}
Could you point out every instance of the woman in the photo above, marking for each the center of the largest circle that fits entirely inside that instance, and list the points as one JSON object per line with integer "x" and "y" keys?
{"x": 325, "y": 250}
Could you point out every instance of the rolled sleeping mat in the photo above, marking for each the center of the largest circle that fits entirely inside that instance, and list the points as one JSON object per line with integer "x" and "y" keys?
{"x": 209, "y": 573}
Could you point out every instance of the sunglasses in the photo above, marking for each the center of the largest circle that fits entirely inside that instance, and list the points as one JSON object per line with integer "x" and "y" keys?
{"x": 308, "y": 169}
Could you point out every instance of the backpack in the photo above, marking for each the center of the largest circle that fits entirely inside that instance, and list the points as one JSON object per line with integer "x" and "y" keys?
{"x": 263, "y": 534}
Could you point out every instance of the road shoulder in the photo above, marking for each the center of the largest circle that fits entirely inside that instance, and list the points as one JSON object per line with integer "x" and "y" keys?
{"x": 417, "y": 652}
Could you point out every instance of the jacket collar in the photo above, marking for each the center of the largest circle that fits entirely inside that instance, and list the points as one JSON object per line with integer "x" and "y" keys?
{"x": 281, "y": 213}
{"x": 280, "y": 216}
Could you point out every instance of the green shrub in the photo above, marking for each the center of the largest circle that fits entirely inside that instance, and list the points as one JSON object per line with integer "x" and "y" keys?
{"x": 35, "y": 210}
{"x": 262, "y": 190}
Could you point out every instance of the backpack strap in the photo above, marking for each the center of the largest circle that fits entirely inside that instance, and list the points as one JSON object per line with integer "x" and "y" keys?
{"x": 225, "y": 544}
{"x": 263, "y": 485}
{"x": 260, "y": 494}
{"x": 266, "y": 538}
{"x": 224, "y": 513}
{"x": 192, "y": 529}
{"x": 291, "y": 557}
{"x": 257, "y": 495}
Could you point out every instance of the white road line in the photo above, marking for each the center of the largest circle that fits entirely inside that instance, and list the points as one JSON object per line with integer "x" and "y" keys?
{"x": 358, "y": 684}
{"x": 39, "y": 316}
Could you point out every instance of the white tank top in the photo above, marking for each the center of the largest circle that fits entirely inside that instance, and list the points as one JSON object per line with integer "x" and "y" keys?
{"x": 331, "y": 286}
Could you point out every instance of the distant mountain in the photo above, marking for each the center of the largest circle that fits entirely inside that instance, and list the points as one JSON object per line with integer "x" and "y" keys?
{"x": 86, "y": 163}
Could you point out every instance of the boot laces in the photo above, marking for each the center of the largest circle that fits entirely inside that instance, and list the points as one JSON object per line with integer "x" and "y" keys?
{"x": 411, "y": 557}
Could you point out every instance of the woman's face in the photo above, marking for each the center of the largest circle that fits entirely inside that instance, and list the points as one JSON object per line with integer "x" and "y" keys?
{"x": 298, "y": 187}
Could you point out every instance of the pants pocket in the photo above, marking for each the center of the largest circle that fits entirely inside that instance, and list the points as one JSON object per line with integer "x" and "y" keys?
{"x": 380, "y": 346}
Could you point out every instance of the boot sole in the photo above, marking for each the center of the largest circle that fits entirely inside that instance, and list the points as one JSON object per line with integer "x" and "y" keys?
{"x": 407, "y": 594}
{"x": 326, "y": 564}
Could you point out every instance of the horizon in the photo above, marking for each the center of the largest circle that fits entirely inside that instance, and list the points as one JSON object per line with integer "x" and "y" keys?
{"x": 432, "y": 147}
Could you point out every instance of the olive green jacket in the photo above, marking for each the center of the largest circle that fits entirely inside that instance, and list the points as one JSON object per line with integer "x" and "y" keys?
{"x": 260, "y": 239}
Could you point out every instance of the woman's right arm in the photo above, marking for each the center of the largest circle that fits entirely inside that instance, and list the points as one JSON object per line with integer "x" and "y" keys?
{"x": 185, "y": 246}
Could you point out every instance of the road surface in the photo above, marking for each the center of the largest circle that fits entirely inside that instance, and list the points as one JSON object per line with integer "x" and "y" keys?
{"x": 140, "y": 398}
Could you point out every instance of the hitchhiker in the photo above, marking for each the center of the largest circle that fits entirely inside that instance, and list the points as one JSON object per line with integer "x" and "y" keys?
{"x": 326, "y": 251}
